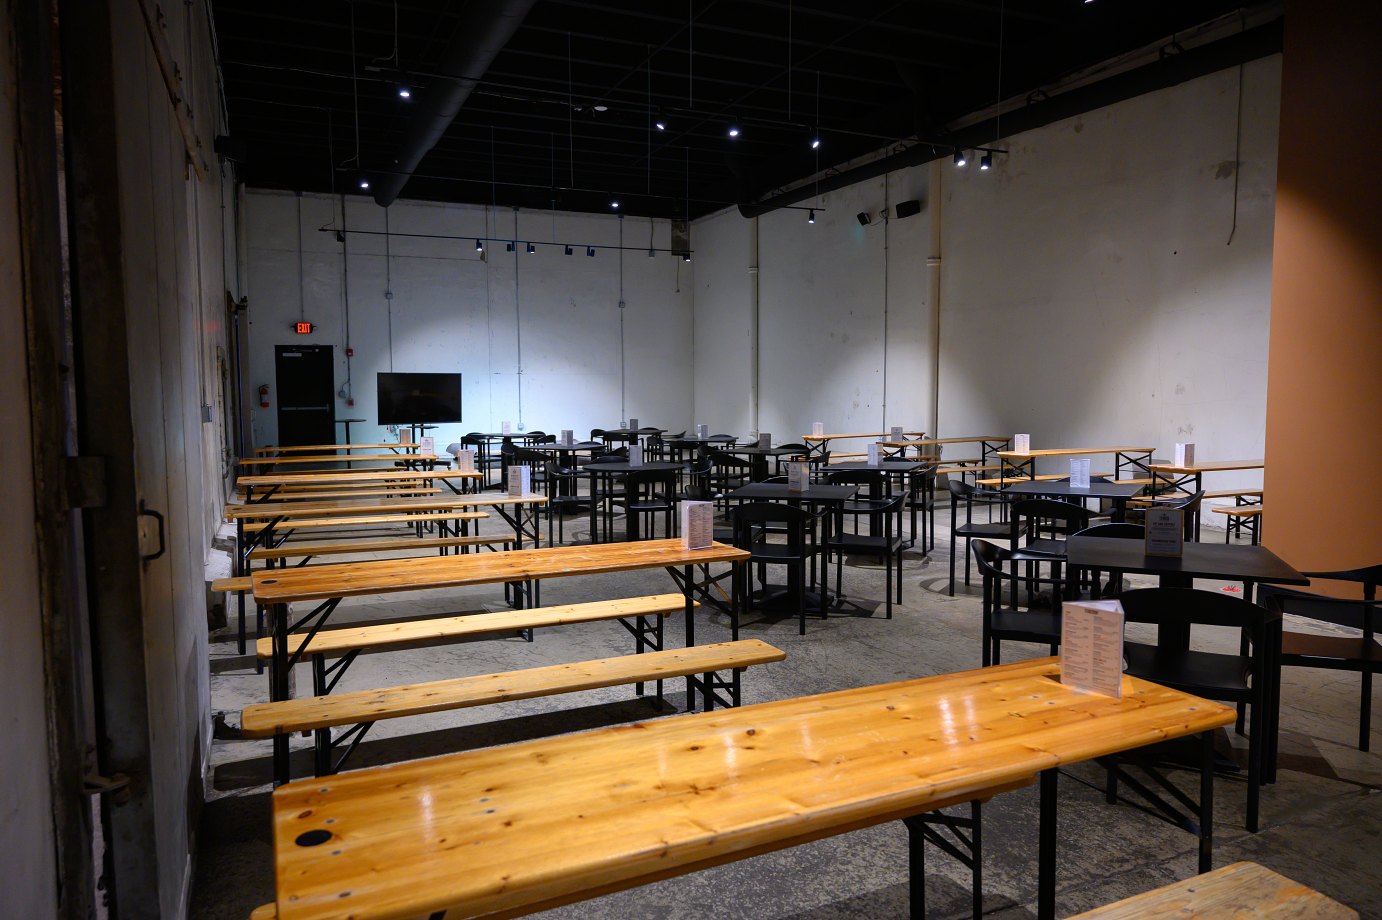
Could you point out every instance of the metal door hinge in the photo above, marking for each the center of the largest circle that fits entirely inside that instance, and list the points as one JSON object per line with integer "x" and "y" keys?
{"x": 117, "y": 787}
{"x": 86, "y": 482}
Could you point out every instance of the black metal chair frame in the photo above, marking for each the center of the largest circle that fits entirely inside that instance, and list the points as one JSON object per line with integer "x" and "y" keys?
{"x": 799, "y": 553}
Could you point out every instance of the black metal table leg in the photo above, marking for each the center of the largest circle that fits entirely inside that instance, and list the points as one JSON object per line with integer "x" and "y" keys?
{"x": 1206, "y": 801}
{"x": 1046, "y": 871}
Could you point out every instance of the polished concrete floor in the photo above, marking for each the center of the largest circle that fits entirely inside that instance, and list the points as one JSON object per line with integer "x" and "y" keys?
{"x": 1321, "y": 822}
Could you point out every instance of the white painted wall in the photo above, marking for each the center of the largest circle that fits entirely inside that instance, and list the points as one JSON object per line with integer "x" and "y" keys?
{"x": 27, "y": 858}
{"x": 453, "y": 311}
{"x": 1090, "y": 294}
{"x": 830, "y": 294}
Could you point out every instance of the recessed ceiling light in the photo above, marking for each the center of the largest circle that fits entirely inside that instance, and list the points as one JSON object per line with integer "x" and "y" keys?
{"x": 602, "y": 108}
{"x": 364, "y": 183}
{"x": 733, "y": 130}
{"x": 614, "y": 204}
{"x": 405, "y": 93}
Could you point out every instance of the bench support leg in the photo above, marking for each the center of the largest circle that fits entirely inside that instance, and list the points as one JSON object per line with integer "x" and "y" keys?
{"x": 1046, "y": 861}
{"x": 960, "y": 837}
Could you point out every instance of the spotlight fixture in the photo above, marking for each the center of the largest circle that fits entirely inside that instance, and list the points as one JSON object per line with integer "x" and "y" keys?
{"x": 601, "y": 108}
{"x": 686, "y": 257}
{"x": 508, "y": 247}
{"x": 364, "y": 183}
{"x": 614, "y": 204}
{"x": 404, "y": 93}
{"x": 733, "y": 129}
{"x": 590, "y": 251}
{"x": 863, "y": 218}
{"x": 815, "y": 142}
{"x": 531, "y": 249}
{"x": 660, "y": 121}
{"x": 986, "y": 161}
{"x": 652, "y": 253}
{"x": 960, "y": 157}
{"x": 811, "y": 216}
{"x": 479, "y": 246}
{"x": 568, "y": 250}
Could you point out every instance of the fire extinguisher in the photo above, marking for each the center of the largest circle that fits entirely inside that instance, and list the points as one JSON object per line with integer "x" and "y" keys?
{"x": 264, "y": 396}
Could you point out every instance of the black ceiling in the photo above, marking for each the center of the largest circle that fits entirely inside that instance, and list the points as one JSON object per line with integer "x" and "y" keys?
{"x": 299, "y": 74}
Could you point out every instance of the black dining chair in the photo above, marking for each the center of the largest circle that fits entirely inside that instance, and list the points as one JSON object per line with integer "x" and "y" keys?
{"x": 1120, "y": 531}
{"x": 883, "y": 540}
{"x": 1232, "y": 678}
{"x": 756, "y": 525}
{"x": 563, "y": 494}
{"x": 962, "y": 493}
{"x": 728, "y": 472}
{"x": 648, "y": 494}
{"x": 1009, "y": 621}
{"x": 1335, "y": 652}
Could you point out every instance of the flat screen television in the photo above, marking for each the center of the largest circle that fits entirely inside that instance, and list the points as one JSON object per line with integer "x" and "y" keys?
{"x": 416, "y": 399}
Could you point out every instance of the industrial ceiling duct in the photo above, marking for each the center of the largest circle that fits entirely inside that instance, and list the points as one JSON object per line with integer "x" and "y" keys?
{"x": 483, "y": 31}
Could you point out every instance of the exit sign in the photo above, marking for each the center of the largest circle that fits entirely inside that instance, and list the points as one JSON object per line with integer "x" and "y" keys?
{"x": 303, "y": 328}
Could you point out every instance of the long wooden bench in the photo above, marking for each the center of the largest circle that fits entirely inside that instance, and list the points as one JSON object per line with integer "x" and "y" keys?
{"x": 338, "y": 642}
{"x": 362, "y": 708}
{"x": 360, "y": 520}
{"x": 1241, "y": 516}
{"x": 1239, "y": 891}
{"x": 382, "y": 545}
{"x": 318, "y": 493}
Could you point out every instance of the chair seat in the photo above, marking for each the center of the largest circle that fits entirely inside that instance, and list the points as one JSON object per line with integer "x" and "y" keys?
{"x": 763, "y": 551}
{"x": 863, "y": 543}
{"x": 1025, "y": 625}
{"x": 1206, "y": 672}
{"x": 1044, "y": 548}
{"x": 994, "y": 529}
{"x": 1352, "y": 653}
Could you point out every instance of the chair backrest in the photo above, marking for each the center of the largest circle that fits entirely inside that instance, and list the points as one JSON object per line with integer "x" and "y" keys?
{"x": 596, "y": 434}
{"x": 723, "y": 439}
{"x": 991, "y": 557}
{"x": 1190, "y": 503}
{"x": 1369, "y": 577}
{"x": 727, "y": 460}
{"x": 1118, "y": 531}
{"x": 1032, "y": 517}
{"x": 1341, "y": 611}
{"x": 749, "y": 519}
{"x": 454, "y": 448}
{"x": 1189, "y": 606}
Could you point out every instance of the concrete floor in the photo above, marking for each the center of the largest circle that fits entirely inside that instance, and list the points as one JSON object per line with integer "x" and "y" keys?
{"x": 1321, "y": 822}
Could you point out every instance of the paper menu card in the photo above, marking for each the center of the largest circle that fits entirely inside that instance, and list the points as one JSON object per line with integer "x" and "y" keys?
{"x": 568, "y": 437}
{"x": 798, "y": 476}
{"x": 1165, "y": 532}
{"x": 874, "y": 454}
{"x": 702, "y": 431}
{"x": 896, "y": 433}
{"x": 697, "y": 524}
{"x": 765, "y": 440}
{"x": 817, "y": 429}
{"x": 520, "y": 481}
{"x": 405, "y": 436}
{"x": 1079, "y": 473}
{"x": 505, "y": 428}
{"x": 1022, "y": 443}
{"x": 633, "y": 424}
{"x": 465, "y": 460}
{"x": 635, "y": 455}
{"x": 1091, "y": 647}
{"x": 427, "y": 445}
{"x": 1185, "y": 454}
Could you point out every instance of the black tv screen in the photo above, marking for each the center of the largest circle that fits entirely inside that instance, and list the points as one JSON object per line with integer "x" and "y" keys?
{"x": 415, "y": 399}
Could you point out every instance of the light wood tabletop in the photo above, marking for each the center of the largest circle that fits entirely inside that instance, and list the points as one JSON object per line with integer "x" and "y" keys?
{"x": 1070, "y": 452}
{"x": 1236, "y": 892}
{"x": 306, "y": 509}
{"x": 866, "y": 434}
{"x": 926, "y": 442}
{"x": 350, "y": 579}
{"x": 350, "y": 477}
{"x": 529, "y": 826}
{"x": 1209, "y": 466}
{"x": 305, "y": 448}
{"x": 341, "y": 458}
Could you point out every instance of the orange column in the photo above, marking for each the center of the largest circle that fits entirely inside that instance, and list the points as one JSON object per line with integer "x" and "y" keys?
{"x": 1324, "y": 380}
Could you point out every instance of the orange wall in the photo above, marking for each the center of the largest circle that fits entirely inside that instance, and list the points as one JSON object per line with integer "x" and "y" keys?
{"x": 1324, "y": 377}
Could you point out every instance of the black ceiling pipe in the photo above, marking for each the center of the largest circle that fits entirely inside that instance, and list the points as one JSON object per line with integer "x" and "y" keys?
{"x": 481, "y": 34}
{"x": 1250, "y": 45}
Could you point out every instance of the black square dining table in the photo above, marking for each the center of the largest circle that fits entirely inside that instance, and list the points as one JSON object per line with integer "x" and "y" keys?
{"x": 1116, "y": 492}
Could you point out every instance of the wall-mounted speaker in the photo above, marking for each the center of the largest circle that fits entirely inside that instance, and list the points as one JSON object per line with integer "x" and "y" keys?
{"x": 907, "y": 208}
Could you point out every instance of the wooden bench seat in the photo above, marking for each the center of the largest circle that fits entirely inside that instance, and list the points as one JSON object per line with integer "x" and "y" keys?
{"x": 1235, "y": 493}
{"x": 1239, "y": 891}
{"x": 383, "y": 545}
{"x": 314, "y": 494}
{"x": 1009, "y": 480}
{"x": 337, "y": 642}
{"x": 981, "y": 468}
{"x": 261, "y": 720}
{"x": 242, "y": 583}
{"x": 411, "y": 517}
{"x": 1240, "y": 511}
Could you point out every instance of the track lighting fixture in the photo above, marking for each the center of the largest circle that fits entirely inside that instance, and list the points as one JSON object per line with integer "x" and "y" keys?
{"x": 404, "y": 93}
{"x": 986, "y": 161}
{"x": 568, "y": 250}
{"x": 531, "y": 249}
{"x": 960, "y": 157}
{"x": 508, "y": 247}
{"x": 733, "y": 129}
{"x": 686, "y": 257}
{"x": 590, "y": 251}
{"x": 614, "y": 204}
{"x": 815, "y": 142}
{"x": 660, "y": 121}
{"x": 479, "y": 246}
{"x": 811, "y": 216}
{"x": 364, "y": 183}
{"x": 863, "y": 218}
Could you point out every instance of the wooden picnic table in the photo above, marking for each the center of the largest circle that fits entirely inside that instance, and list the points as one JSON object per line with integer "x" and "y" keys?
{"x": 426, "y": 459}
{"x": 329, "y": 584}
{"x": 1023, "y": 463}
{"x": 1167, "y": 477}
{"x": 524, "y": 827}
{"x": 303, "y": 448}
{"x": 819, "y": 443}
{"x": 272, "y": 482}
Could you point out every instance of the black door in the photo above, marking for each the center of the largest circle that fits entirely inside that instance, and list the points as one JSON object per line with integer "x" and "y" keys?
{"x": 306, "y": 394}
